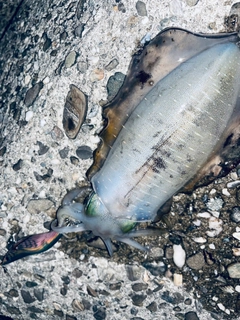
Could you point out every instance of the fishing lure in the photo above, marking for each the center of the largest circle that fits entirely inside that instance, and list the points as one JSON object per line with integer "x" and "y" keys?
{"x": 174, "y": 125}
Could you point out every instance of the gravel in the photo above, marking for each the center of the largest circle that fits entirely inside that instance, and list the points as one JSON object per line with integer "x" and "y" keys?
{"x": 45, "y": 49}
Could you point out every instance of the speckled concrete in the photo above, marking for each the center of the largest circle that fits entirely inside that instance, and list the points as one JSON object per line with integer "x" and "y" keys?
{"x": 33, "y": 52}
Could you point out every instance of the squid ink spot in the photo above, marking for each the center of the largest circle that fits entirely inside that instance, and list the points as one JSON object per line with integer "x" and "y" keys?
{"x": 228, "y": 140}
{"x": 143, "y": 77}
{"x": 158, "y": 164}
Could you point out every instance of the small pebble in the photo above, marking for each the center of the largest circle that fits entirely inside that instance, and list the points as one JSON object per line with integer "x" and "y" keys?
{"x": 179, "y": 255}
{"x": 169, "y": 252}
{"x": 212, "y": 246}
{"x": 138, "y": 299}
{"x": 39, "y": 294}
{"x": 196, "y": 261}
{"x": 237, "y": 288}
{"x": 32, "y": 94}
{"x": 27, "y": 79}
{"x": 236, "y": 235}
{"x": 139, "y": 286}
{"x": 191, "y": 3}
{"x": 188, "y": 301}
{"x": 234, "y": 270}
{"x": 91, "y": 291}
{"x": 234, "y": 175}
{"x": 57, "y": 133}
{"x": 197, "y": 223}
{"x": 47, "y": 44}
{"x": 206, "y": 215}
{"x": 115, "y": 286}
{"x": 3, "y": 232}
{"x": 216, "y": 226}
{"x": 42, "y": 148}
{"x": 199, "y": 240}
{"x": 225, "y": 192}
{"x": 29, "y": 115}
{"x": 77, "y": 305}
{"x": 191, "y": 315}
{"x": 84, "y": 152}
{"x": 79, "y": 30}
{"x": 70, "y": 59}
{"x": 236, "y": 252}
{"x": 97, "y": 75}
{"x": 177, "y": 279}
{"x": 27, "y": 298}
{"x": 212, "y": 191}
{"x": 39, "y": 205}
{"x": 18, "y": 165}
{"x": 221, "y": 306}
{"x": 235, "y": 214}
{"x": 215, "y": 204}
{"x": 64, "y": 152}
{"x": 157, "y": 252}
{"x": 233, "y": 184}
{"x": 152, "y": 306}
{"x": 112, "y": 65}
{"x": 114, "y": 83}
{"x": 46, "y": 80}
{"x": 141, "y": 8}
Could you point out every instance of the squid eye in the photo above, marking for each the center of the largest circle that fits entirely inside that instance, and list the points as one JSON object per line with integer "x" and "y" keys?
{"x": 66, "y": 220}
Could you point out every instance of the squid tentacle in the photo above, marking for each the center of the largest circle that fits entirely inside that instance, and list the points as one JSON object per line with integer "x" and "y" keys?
{"x": 75, "y": 193}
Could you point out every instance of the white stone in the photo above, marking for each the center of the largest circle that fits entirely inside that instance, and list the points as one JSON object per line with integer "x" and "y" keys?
{"x": 234, "y": 175}
{"x": 216, "y": 214}
{"x": 233, "y": 184}
{"x": 204, "y": 215}
{"x": 179, "y": 255}
{"x": 197, "y": 223}
{"x": 213, "y": 233}
{"x": 212, "y": 191}
{"x": 225, "y": 192}
{"x": 237, "y": 288}
{"x": 214, "y": 204}
{"x": 221, "y": 306}
{"x": 27, "y": 79}
{"x": 42, "y": 122}
{"x": 46, "y": 80}
{"x": 36, "y": 66}
{"x": 199, "y": 240}
{"x": 55, "y": 162}
{"x": 212, "y": 246}
{"x": 18, "y": 180}
{"x": 236, "y": 235}
{"x": 93, "y": 59}
{"x": 214, "y": 223}
{"x": 145, "y": 20}
{"x": 236, "y": 252}
{"x": 177, "y": 279}
{"x": 29, "y": 115}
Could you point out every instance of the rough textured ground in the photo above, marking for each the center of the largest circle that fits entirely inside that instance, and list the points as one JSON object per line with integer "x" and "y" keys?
{"x": 48, "y": 46}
